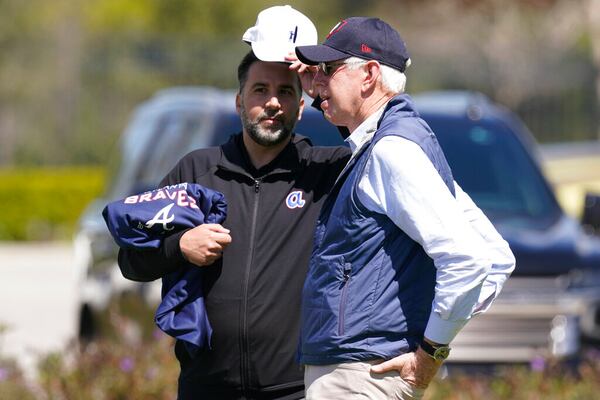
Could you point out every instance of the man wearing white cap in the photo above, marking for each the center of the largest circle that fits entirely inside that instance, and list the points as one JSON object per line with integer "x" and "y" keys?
{"x": 254, "y": 265}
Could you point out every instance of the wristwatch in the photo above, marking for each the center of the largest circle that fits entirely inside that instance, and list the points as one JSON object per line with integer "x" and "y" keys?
{"x": 437, "y": 352}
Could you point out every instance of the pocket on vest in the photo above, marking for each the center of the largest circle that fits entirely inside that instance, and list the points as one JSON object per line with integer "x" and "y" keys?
{"x": 320, "y": 302}
{"x": 357, "y": 307}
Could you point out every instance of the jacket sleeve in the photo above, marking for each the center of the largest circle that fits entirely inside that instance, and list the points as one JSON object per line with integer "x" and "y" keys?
{"x": 471, "y": 258}
{"x": 148, "y": 265}
{"x": 145, "y": 266}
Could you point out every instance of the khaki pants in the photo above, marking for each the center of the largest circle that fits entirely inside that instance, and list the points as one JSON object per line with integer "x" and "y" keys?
{"x": 353, "y": 380}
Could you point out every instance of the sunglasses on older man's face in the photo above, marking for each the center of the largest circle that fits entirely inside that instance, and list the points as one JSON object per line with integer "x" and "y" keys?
{"x": 329, "y": 68}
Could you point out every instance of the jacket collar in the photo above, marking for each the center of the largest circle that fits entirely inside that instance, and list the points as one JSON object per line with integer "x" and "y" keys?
{"x": 400, "y": 105}
{"x": 234, "y": 157}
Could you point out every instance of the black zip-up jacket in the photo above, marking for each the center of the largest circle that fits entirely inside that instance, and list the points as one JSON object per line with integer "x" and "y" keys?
{"x": 253, "y": 293}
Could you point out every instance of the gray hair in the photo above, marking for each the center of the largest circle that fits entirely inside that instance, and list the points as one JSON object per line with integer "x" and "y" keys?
{"x": 391, "y": 79}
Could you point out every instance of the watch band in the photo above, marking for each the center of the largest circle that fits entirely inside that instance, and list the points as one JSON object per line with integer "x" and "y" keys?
{"x": 438, "y": 353}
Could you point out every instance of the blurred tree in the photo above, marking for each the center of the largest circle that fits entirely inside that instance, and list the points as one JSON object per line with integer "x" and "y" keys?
{"x": 531, "y": 55}
{"x": 16, "y": 27}
{"x": 72, "y": 70}
{"x": 593, "y": 22}
{"x": 75, "y": 68}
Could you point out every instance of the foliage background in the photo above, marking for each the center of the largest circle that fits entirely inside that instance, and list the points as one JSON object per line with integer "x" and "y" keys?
{"x": 72, "y": 70}
{"x": 45, "y": 203}
{"x": 133, "y": 360}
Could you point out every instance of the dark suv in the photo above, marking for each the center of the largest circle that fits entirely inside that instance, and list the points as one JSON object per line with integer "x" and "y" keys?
{"x": 549, "y": 304}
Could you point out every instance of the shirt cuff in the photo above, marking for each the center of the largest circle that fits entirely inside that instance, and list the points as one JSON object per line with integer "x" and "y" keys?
{"x": 441, "y": 330}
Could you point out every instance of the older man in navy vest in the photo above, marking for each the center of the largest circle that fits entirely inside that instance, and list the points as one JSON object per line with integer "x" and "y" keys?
{"x": 402, "y": 257}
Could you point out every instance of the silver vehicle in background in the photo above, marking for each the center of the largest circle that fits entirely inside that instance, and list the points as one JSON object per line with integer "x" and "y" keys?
{"x": 548, "y": 308}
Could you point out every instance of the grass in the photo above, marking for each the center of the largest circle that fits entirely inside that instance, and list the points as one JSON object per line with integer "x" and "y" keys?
{"x": 534, "y": 382}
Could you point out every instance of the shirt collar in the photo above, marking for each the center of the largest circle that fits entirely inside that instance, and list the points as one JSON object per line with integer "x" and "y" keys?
{"x": 365, "y": 131}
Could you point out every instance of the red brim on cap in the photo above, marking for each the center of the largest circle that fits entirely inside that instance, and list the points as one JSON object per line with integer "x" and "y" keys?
{"x": 312, "y": 55}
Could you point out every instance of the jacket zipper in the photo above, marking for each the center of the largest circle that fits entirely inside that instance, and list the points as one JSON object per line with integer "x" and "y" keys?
{"x": 343, "y": 299}
{"x": 244, "y": 354}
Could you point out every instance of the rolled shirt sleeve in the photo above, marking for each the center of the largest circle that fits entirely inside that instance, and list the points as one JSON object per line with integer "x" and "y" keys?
{"x": 471, "y": 258}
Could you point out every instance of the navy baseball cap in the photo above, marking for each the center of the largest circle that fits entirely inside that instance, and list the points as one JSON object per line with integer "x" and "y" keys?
{"x": 367, "y": 38}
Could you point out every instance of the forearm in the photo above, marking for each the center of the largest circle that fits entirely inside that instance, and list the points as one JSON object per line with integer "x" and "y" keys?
{"x": 443, "y": 326}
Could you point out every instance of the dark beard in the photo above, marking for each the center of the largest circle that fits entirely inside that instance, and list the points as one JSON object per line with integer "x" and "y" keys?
{"x": 267, "y": 137}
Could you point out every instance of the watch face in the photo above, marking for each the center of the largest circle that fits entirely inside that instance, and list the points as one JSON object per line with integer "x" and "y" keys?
{"x": 441, "y": 353}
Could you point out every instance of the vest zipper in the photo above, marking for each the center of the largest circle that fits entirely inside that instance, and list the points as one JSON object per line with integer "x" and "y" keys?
{"x": 244, "y": 343}
{"x": 343, "y": 299}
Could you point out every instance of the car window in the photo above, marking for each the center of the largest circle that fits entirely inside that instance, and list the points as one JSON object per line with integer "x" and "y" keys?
{"x": 145, "y": 128}
{"x": 176, "y": 134}
{"x": 227, "y": 125}
{"x": 490, "y": 163}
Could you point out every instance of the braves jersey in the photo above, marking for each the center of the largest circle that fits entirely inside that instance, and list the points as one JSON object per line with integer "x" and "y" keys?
{"x": 142, "y": 221}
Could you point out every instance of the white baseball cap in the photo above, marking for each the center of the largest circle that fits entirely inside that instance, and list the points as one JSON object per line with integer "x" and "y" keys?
{"x": 277, "y": 32}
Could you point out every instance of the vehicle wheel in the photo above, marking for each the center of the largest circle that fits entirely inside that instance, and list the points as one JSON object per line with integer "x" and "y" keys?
{"x": 87, "y": 326}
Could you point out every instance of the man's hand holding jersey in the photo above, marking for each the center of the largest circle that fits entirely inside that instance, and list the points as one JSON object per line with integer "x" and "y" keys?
{"x": 204, "y": 244}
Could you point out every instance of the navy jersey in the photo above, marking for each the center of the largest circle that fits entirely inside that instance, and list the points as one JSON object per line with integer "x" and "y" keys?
{"x": 142, "y": 221}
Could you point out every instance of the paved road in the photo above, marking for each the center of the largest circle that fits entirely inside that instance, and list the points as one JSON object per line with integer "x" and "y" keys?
{"x": 38, "y": 300}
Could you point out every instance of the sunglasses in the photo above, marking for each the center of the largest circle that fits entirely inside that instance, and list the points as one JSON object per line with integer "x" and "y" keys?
{"x": 329, "y": 68}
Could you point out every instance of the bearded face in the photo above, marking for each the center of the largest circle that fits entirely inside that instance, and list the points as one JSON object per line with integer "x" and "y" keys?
{"x": 270, "y": 103}
{"x": 269, "y": 128}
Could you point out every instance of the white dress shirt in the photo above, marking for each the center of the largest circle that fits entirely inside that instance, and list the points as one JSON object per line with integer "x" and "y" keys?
{"x": 471, "y": 258}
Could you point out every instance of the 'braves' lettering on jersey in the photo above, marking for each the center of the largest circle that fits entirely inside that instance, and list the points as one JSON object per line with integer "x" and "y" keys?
{"x": 179, "y": 195}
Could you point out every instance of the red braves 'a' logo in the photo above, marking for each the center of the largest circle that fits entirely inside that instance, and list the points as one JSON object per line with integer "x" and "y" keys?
{"x": 365, "y": 49}
{"x": 337, "y": 28}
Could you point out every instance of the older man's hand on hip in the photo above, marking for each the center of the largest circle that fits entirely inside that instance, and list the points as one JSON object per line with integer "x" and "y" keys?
{"x": 417, "y": 368}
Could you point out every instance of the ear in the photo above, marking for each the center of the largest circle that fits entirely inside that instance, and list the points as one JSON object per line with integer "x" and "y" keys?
{"x": 373, "y": 71}
{"x": 300, "y": 108}
{"x": 238, "y": 102}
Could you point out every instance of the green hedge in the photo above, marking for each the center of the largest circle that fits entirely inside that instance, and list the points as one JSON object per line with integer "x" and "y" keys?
{"x": 45, "y": 203}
